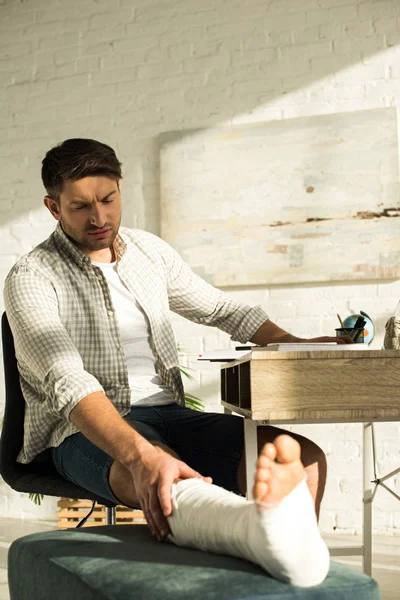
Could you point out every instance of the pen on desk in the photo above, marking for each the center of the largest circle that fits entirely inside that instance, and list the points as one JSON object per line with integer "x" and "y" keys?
{"x": 340, "y": 320}
{"x": 359, "y": 324}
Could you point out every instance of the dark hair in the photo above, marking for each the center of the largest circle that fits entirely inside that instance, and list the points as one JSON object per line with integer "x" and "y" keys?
{"x": 75, "y": 159}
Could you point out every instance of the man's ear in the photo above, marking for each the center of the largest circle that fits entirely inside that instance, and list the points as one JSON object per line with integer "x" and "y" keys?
{"x": 52, "y": 206}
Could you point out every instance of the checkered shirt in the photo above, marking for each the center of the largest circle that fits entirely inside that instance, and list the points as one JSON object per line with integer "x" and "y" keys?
{"x": 66, "y": 331}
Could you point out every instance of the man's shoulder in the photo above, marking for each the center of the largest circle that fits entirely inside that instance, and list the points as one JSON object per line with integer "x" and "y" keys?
{"x": 40, "y": 260}
{"x": 138, "y": 235}
{"x": 143, "y": 239}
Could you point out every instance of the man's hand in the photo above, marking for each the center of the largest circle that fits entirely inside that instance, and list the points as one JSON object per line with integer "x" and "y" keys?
{"x": 153, "y": 474}
{"x": 269, "y": 333}
{"x": 345, "y": 339}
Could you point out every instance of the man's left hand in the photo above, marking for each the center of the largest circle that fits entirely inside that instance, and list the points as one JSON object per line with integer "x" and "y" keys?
{"x": 345, "y": 339}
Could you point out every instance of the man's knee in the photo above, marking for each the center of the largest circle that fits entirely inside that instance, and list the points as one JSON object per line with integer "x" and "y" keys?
{"x": 166, "y": 449}
{"x": 121, "y": 480}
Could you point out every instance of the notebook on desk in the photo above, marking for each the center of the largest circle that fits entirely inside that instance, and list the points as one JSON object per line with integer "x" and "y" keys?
{"x": 230, "y": 354}
{"x": 310, "y": 346}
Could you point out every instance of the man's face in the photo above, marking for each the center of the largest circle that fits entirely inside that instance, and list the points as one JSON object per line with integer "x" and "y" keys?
{"x": 89, "y": 212}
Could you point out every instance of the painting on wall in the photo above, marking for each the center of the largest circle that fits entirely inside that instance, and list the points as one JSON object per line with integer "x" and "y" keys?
{"x": 302, "y": 200}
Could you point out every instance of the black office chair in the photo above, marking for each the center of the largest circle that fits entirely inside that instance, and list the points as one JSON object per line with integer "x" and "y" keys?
{"x": 37, "y": 477}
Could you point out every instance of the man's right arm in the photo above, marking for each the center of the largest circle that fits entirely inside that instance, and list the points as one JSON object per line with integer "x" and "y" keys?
{"x": 153, "y": 471}
{"x": 45, "y": 350}
{"x": 97, "y": 418}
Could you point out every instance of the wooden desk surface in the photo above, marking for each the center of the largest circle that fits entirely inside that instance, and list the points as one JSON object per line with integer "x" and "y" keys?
{"x": 317, "y": 386}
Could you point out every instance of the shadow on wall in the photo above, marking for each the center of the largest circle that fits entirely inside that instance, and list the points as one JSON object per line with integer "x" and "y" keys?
{"x": 125, "y": 75}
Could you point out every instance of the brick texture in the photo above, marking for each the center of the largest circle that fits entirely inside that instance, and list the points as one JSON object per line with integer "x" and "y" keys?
{"x": 124, "y": 71}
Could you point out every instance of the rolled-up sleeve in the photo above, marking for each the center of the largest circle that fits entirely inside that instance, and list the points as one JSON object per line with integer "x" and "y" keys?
{"x": 192, "y": 297}
{"x": 47, "y": 357}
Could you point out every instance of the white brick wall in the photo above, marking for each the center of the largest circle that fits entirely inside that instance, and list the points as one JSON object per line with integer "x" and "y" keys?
{"x": 125, "y": 71}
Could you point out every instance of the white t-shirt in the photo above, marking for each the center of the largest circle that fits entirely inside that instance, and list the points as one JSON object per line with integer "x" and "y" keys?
{"x": 145, "y": 384}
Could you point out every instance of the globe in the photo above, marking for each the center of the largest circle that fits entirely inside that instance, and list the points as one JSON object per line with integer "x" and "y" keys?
{"x": 369, "y": 329}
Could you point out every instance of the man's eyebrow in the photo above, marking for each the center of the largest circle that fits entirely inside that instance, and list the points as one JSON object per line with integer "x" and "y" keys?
{"x": 108, "y": 195}
{"x": 85, "y": 201}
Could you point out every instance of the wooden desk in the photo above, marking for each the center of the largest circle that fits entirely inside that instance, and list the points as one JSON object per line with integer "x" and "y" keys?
{"x": 340, "y": 386}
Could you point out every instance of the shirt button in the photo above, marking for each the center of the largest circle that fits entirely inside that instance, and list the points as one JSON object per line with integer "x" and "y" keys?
{"x": 99, "y": 277}
{"x": 110, "y": 313}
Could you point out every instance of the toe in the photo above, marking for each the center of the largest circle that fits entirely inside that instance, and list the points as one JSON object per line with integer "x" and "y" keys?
{"x": 269, "y": 451}
{"x": 260, "y": 491}
{"x": 287, "y": 449}
{"x": 264, "y": 462}
{"x": 262, "y": 475}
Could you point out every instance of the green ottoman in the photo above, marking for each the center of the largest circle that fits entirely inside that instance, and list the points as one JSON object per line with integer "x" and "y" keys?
{"x": 122, "y": 562}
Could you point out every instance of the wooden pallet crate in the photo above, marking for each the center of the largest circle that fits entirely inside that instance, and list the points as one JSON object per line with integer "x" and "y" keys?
{"x": 72, "y": 511}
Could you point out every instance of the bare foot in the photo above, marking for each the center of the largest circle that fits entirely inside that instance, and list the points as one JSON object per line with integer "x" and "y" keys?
{"x": 279, "y": 470}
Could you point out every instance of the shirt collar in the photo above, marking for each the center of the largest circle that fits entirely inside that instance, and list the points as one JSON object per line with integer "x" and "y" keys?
{"x": 72, "y": 251}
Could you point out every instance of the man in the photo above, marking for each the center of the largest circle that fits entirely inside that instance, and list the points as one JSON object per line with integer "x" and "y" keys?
{"x": 89, "y": 312}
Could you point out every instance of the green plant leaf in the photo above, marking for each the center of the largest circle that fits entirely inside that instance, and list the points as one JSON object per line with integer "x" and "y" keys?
{"x": 186, "y": 374}
{"x": 36, "y": 498}
{"x": 193, "y": 402}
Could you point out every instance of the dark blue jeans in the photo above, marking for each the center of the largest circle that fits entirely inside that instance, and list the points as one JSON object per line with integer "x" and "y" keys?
{"x": 210, "y": 443}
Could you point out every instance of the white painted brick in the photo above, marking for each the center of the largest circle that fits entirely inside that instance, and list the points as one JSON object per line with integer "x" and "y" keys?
{"x": 153, "y": 71}
{"x": 13, "y": 23}
{"x": 346, "y": 450}
{"x": 258, "y": 114}
{"x": 368, "y": 44}
{"x": 348, "y": 521}
{"x": 54, "y": 42}
{"x": 201, "y": 64}
{"x": 45, "y": 72}
{"x": 51, "y": 14}
{"x": 221, "y": 31}
{"x": 358, "y": 29}
{"x": 126, "y": 59}
{"x": 117, "y": 18}
{"x": 375, "y": 10}
{"x": 331, "y": 31}
{"x": 112, "y": 76}
{"x": 385, "y": 25}
{"x": 320, "y": 309}
{"x": 88, "y": 64}
{"x": 130, "y": 43}
{"x": 277, "y": 310}
{"x": 254, "y": 57}
{"x": 306, "y": 36}
{"x": 332, "y": 64}
{"x": 15, "y": 50}
{"x": 180, "y": 51}
{"x": 65, "y": 70}
{"x": 285, "y": 69}
{"x": 389, "y": 288}
{"x": 288, "y": 6}
{"x": 156, "y": 11}
{"x": 255, "y": 42}
{"x": 287, "y": 21}
{"x": 237, "y": 64}
{"x": 108, "y": 37}
{"x": 317, "y": 17}
{"x": 64, "y": 55}
{"x": 68, "y": 83}
{"x": 279, "y": 38}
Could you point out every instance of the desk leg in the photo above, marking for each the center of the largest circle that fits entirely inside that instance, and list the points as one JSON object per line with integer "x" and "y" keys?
{"x": 251, "y": 450}
{"x": 368, "y": 476}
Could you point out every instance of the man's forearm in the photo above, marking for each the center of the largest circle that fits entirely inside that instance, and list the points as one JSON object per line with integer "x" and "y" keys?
{"x": 97, "y": 418}
{"x": 270, "y": 333}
